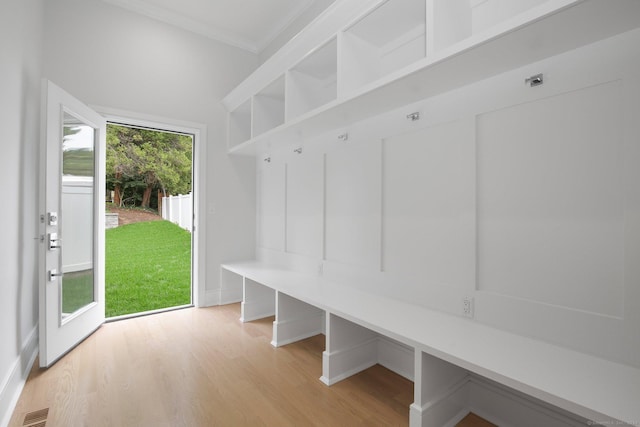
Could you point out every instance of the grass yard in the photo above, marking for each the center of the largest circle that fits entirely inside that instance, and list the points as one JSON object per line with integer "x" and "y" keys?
{"x": 77, "y": 290}
{"x": 148, "y": 267}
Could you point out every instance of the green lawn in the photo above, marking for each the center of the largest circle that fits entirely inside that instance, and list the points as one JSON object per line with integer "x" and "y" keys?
{"x": 77, "y": 290}
{"x": 148, "y": 267}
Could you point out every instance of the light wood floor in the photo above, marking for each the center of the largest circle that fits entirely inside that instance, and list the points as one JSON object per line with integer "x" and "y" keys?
{"x": 203, "y": 367}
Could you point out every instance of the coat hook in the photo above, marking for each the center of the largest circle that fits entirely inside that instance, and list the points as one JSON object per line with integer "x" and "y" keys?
{"x": 267, "y": 159}
{"x": 534, "y": 81}
{"x": 413, "y": 116}
{"x": 343, "y": 137}
{"x": 298, "y": 150}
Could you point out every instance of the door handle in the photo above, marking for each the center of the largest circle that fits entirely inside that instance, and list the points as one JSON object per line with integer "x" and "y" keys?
{"x": 54, "y": 241}
{"x": 52, "y": 274}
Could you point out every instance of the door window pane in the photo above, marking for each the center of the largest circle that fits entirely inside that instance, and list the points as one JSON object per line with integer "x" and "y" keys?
{"x": 77, "y": 227}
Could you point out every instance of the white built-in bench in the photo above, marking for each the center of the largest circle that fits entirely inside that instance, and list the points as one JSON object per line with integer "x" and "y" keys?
{"x": 457, "y": 365}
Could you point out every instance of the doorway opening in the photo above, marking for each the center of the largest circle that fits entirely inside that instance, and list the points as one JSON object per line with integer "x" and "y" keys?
{"x": 149, "y": 220}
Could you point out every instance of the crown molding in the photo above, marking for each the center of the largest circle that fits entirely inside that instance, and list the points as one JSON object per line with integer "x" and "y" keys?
{"x": 179, "y": 20}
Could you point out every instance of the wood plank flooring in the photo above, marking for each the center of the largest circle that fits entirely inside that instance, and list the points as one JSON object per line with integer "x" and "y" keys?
{"x": 203, "y": 367}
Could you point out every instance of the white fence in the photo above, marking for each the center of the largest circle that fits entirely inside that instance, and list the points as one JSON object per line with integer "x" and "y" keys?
{"x": 77, "y": 223}
{"x": 179, "y": 210}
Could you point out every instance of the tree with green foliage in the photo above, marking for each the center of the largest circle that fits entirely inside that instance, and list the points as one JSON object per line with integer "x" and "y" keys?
{"x": 77, "y": 161}
{"x": 141, "y": 160}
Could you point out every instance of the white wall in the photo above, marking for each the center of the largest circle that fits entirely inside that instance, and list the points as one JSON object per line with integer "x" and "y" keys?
{"x": 525, "y": 199}
{"x": 110, "y": 57}
{"x": 20, "y": 73}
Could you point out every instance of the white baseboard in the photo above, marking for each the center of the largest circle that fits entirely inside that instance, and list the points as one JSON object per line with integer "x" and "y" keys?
{"x": 446, "y": 408}
{"x": 396, "y": 357}
{"x": 492, "y": 401}
{"x": 229, "y": 295}
{"x": 214, "y": 297}
{"x": 254, "y": 310}
{"x": 391, "y": 354}
{"x": 230, "y": 290}
{"x": 509, "y": 408}
{"x": 292, "y": 330}
{"x": 17, "y": 376}
{"x": 343, "y": 363}
{"x": 211, "y": 298}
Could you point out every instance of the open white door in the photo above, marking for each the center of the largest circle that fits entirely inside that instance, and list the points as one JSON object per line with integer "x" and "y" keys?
{"x": 72, "y": 217}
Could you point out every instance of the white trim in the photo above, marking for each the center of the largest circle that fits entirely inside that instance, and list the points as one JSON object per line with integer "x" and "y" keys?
{"x": 16, "y": 378}
{"x": 297, "y": 329}
{"x": 186, "y": 23}
{"x": 147, "y": 313}
{"x": 506, "y": 407}
{"x": 492, "y": 401}
{"x": 340, "y": 364}
{"x": 212, "y": 297}
{"x": 283, "y": 24}
{"x": 229, "y": 296}
{"x": 72, "y": 268}
{"x": 396, "y": 356}
{"x": 256, "y": 310}
{"x": 231, "y": 289}
{"x": 445, "y": 393}
{"x": 199, "y": 132}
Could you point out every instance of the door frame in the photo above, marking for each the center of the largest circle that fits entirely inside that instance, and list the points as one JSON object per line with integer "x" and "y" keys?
{"x": 198, "y": 188}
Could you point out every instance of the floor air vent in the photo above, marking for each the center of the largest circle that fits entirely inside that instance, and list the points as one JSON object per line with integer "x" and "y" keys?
{"x": 36, "y": 418}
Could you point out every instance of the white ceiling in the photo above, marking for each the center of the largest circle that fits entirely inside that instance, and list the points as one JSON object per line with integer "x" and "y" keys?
{"x": 247, "y": 24}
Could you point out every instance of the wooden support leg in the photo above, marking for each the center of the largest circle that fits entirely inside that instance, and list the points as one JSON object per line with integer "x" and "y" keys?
{"x": 295, "y": 320}
{"x": 439, "y": 392}
{"x": 350, "y": 349}
{"x": 258, "y": 301}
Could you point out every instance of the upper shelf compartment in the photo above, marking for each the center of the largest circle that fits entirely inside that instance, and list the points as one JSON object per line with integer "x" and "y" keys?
{"x": 239, "y": 125}
{"x": 268, "y": 108}
{"x": 453, "y": 21}
{"x": 387, "y": 39}
{"x": 313, "y": 82}
{"x": 375, "y": 63}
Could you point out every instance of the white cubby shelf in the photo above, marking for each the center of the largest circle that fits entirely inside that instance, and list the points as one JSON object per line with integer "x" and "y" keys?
{"x": 268, "y": 108}
{"x": 395, "y": 52}
{"x": 387, "y": 39}
{"x": 239, "y": 125}
{"x": 312, "y": 83}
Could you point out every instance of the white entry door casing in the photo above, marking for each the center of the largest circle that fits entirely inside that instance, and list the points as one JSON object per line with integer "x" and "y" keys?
{"x": 72, "y": 223}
